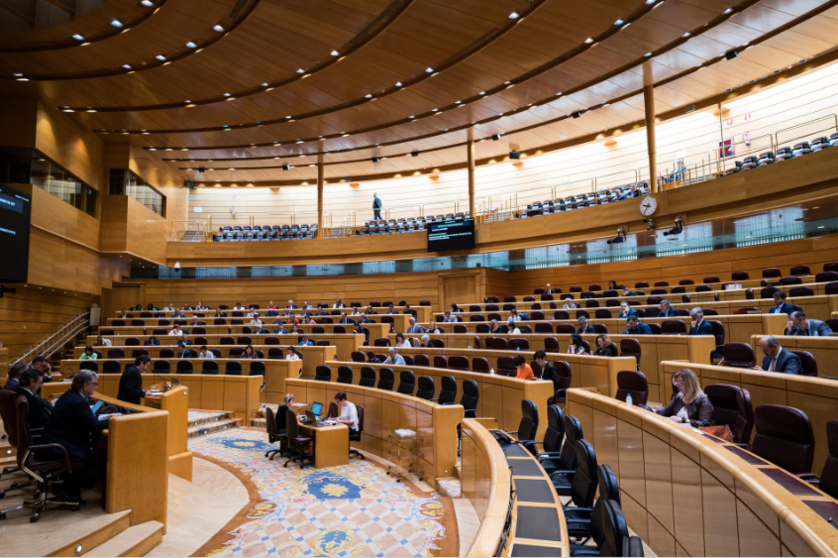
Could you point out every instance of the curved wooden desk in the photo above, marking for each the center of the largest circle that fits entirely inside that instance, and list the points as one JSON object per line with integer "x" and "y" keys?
{"x": 387, "y": 411}
{"x": 490, "y": 471}
{"x": 690, "y": 494}
{"x": 500, "y": 396}
{"x": 817, "y": 397}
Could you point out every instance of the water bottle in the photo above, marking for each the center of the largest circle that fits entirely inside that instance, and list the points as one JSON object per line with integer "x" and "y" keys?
{"x": 492, "y": 371}
{"x": 628, "y": 399}
{"x": 518, "y": 348}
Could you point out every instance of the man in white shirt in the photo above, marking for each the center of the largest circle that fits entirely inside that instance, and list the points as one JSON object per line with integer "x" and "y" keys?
{"x": 291, "y": 305}
{"x": 348, "y": 412}
{"x": 394, "y": 358}
{"x": 170, "y": 307}
{"x": 256, "y": 321}
{"x": 238, "y": 306}
{"x": 569, "y": 304}
{"x": 206, "y": 353}
{"x": 413, "y": 328}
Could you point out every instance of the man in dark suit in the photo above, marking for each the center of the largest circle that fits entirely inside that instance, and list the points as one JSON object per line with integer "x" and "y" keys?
{"x": 74, "y": 426}
{"x": 39, "y": 408}
{"x": 667, "y": 311}
{"x": 584, "y": 326}
{"x": 626, "y": 310}
{"x": 414, "y": 327}
{"x": 42, "y": 365}
{"x": 131, "y": 383}
{"x": 699, "y": 326}
{"x": 635, "y": 327}
{"x": 547, "y": 371}
{"x": 800, "y": 325}
{"x": 628, "y": 292}
{"x": 780, "y": 306}
{"x": 13, "y": 381}
{"x": 777, "y": 359}
{"x": 344, "y": 319}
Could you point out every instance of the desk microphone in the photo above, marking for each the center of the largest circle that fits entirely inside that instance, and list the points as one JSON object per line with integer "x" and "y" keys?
{"x": 166, "y": 385}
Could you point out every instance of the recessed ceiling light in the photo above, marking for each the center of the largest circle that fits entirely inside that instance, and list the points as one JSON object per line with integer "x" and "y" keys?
{"x": 650, "y": 2}
{"x": 411, "y": 116}
{"x": 335, "y": 53}
{"x": 398, "y": 84}
{"x": 127, "y": 66}
{"x": 300, "y": 71}
{"x": 514, "y": 15}
{"x": 227, "y": 94}
{"x": 160, "y": 57}
{"x": 265, "y": 84}
{"x": 288, "y": 117}
{"x": 78, "y": 37}
{"x": 482, "y": 92}
{"x": 345, "y": 135}
{"x": 429, "y": 70}
{"x": 218, "y": 27}
{"x": 727, "y": 11}
{"x": 588, "y": 41}
{"x": 559, "y": 94}
{"x": 619, "y": 22}
{"x": 648, "y": 54}
{"x": 457, "y": 102}
{"x": 687, "y": 34}
{"x": 300, "y": 141}
{"x": 147, "y": 3}
{"x": 116, "y": 23}
{"x": 434, "y": 110}
{"x": 191, "y": 44}
{"x": 18, "y": 75}
{"x": 368, "y": 96}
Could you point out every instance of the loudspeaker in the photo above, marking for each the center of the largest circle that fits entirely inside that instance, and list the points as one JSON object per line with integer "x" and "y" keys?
{"x": 514, "y": 155}
{"x": 286, "y": 167}
{"x": 576, "y": 114}
{"x": 375, "y": 159}
{"x": 730, "y": 55}
{"x": 414, "y": 153}
{"x": 190, "y": 185}
{"x": 202, "y": 169}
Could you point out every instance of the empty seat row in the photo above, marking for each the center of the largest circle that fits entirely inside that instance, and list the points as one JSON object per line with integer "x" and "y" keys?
{"x": 579, "y": 201}
{"x": 231, "y": 367}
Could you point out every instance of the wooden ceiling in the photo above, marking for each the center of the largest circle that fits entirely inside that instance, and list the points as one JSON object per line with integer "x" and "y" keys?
{"x": 286, "y": 80}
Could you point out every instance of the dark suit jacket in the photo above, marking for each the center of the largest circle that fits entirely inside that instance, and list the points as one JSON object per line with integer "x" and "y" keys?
{"x": 788, "y": 363}
{"x": 12, "y": 385}
{"x": 624, "y": 315}
{"x": 549, "y": 373}
{"x": 704, "y": 328}
{"x": 39, "y": 409}
{"x": 641, "y": 329}
{"x": 586, "y": 329}
{"x": 785, "y": 309}
{"x": 130, "y": 385}
{"x": 671, "y": 313}
{"x": 73, "y": 425}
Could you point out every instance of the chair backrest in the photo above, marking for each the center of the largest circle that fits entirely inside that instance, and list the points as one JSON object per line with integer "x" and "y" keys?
{"x": 470, "y": 398}
{"x": 739, "y": 354}
{"x": 344, "y": 375}
{"x": 233, "y": 368}
{"x": 448, "y": 390}
{"x": 184, "y": 367}
{"x": 458, "y": 362}
{"x": 528, "y": 426}
{"x": 386, "y": 379}
{"x": 323, "y": 373}
{"x": 292, "y": 427}
{"x": 554, "y": 434}
{"x": 551, "y": 345}
{"x": 584, "y": 484}
{"x": 674, "y": 327}
{"x": 790, "y": 281}
{"x": 426, "y": 388}
{"x": 367, "y": 376}
{"x": 407, "y": 382}
{"x": 116, "y": 353}
{"x": 609, "y": 488}
{"x": 506, "y": 366}
{"x": 358, "y": 356}
{"x": 209, "y": 367}
{"x": 732, "y": 406}
{"x": 8, "y": 412}
{"x": 771, "y": 272}
{"x": 167, "y": 353}
{"x": 565, "y": 329}
{"x": 784, "y": 437}
{"x": 421, "y": 360}
{"x": 111, "y": 367}
{"x": 809, "y": 366}
{"x": 632, "y": 382}
{"x": 800, "y": 270}
{"x": 829, "y": 474}
{"x": 739, "y": 276}
{"x": 801, "y": 291}
{"x": 518, "y": 344}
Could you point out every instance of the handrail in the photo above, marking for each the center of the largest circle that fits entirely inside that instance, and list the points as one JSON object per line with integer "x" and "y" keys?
{"x": 597, "y": 178}
{"x": 200, "y": 228}
{"x": 832, "y": 117}
{"x": 56, "y": 340}
{"x": 388, "y": 208}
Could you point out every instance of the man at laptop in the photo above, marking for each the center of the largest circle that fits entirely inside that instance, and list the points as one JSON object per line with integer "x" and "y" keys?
{"x": 348, "y": 412}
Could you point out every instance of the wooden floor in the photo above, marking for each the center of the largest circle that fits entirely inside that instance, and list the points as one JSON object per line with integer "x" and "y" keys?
{"x": 198, "y": 510}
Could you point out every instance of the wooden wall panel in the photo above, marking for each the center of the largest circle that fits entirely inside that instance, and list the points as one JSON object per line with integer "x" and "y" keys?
{"x": 128, "y": 227}
{"x": 71, "y": 146}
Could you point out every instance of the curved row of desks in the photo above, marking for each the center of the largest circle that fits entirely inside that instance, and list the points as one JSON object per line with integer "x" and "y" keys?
{"x": 686, "y": 493}
{"x": 376, "y": 330}
{"x": 387, "y": 411}
{"x": 422, "y": 312}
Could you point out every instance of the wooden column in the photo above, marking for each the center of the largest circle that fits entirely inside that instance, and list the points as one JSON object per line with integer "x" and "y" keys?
{"x": 321, "y": 181}
{"x": 470, "y": 148}
{"x": 649, "y": 105}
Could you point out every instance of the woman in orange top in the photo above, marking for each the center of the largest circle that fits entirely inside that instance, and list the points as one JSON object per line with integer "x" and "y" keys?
{"x": 524, "y": 370}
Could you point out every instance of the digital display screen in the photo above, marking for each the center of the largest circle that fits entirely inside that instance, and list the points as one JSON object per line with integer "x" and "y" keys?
{"x": 15, "y": 212}
{"x": 451, "y": 235}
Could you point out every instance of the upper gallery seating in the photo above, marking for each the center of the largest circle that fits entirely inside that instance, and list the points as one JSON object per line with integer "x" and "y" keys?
{"x": 244, "y": 233}
{"x": 408, "y": 224}
{"x": 600, "y": 197}
{"x": 784, "y": 153}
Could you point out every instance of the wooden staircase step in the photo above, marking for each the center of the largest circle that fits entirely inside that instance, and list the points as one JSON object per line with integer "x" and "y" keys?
{"x": 212, "y": 427}
{"x": 134, "y": 541}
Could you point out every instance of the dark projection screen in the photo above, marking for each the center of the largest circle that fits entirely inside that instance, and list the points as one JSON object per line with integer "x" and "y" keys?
{"x": 15, "y": 211}
{"x": 451, "y": 235}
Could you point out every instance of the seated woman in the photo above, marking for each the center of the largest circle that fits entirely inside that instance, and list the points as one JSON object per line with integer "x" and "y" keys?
{"x": 248, "y": 353}
{"x": 690, "y": 405}
{"x": 401, "y": 341}
{"x": 291, "y": 354}
{"x": 152, "y": 341}
{"x": 604, "y": 347}
{"x": 576, "y": 346}
{"x": 88, "y": 354}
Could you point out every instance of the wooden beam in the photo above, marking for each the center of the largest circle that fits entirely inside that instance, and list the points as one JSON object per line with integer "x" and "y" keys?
{"x": 321, "y": 174}
{"x": 649, "y": 104}
{"x": 20, "y": 14}
{"x": 471, "y": 165}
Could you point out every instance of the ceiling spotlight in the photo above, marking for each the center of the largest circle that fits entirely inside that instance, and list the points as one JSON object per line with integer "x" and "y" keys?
{"x": 335, "y": 53}
{"x": 429, "y": 70}
{"x": 514, "y": 15}
{"x": 78, "y": 37}
{"x": 515, "y": 155}
{"x": 300, "y": 141}
{"x": 191, "y": 44}
{"x": 227, "y": 94}
{"x": 398, "y": 84}
{"x": 576, "y": 114}
{"x": 160, "y": 57}
{"x": 127, "y": 66}
{"x": 589, "y": 40}
{"x": 648, "y": 54}
{"x": 727, "y": 11}
{"x": 147, "y": 3}
{"x": 265, "y": 84}
{"x": 650, "y": 2}
{"x": 559, "y": 94}
{"x": 18, "y": 75}
{"x": 218, "y": 27}
{"x": 300, "y": 71}
{"x": 344, "y": 135}
{"x": 482, "y": 92}
{"x": 286, "y": 167}
{"x": 116, "y": 23}
{"x": 619, "y": 22}
{"x": 368, "y": 96}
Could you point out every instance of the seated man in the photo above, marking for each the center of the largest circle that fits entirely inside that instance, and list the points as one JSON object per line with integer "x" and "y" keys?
{"x": 425, "y": 341}
{"x": 799, "y": 324}
{"x": 169, "y": 307}
{"x": 495, "y": 327}
{"x": 73, "y": 425}
{"x": 41, "y": 364}
{"x": 626, "y": 310}
{"x": 365, "y": 320}
{"x": 39, "y": 408}
{"x": 13, "y": 380}
{"x": 238, "y": 306}
{"x": 206, "y": 353}
{"x": 321, "y": 312}
{"x": 450, "y": 317}
{"x": 348, "y": 412}
{"x": 635, "y": 327}
{"x": 394, "y": 357}
{"x": 290, "y": 305}
{"x": 183, "y": 351}
{"x": 628, "y": 292}
{"x": 391, "y": 310}
{"x": 271, "y": 306}
{"x": 305, "y": 342}
{"x": 569, "y": 304}
{"x": 256, "y": 321}
{"x": 780, "y": 306}
{"x": 667, "y": 311}
{"x": 778, "y": 359}
{"x": 699, "y": 326}
{"x": 184, "y": 339}
{"x": 196, "y": 322}
{"x": 344, "y": 319}
{"x": 583, "y": 326}
{"x": 414, "y": 327}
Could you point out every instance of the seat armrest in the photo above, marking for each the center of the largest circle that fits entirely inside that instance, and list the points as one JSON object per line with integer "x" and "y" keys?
{"x": 541, "y": 454}
{"x": 65, "y": 455}
{"x": 562, "y": 472}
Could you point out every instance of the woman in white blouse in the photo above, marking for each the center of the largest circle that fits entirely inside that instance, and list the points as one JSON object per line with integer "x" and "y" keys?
{"x": 292, "y": 354}
{"x": 401, "y": 341}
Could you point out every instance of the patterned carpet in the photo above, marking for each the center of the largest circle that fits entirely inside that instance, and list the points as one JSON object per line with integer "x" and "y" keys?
{"x": 353, "y": 510}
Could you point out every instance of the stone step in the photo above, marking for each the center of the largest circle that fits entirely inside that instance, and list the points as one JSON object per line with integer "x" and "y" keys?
{"x": 198, "y": 417}
{"x": 212, "y": 427}
{"x": 449, "y": 487}
{"x": 134, "y": 541}
{"x": 258, "y": 423}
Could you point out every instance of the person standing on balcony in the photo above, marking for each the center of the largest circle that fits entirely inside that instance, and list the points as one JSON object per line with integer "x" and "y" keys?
{"x": 376, "y": 207}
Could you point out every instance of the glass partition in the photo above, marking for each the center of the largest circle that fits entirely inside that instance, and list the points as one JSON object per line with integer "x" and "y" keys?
{"x": 125, "y": 183}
